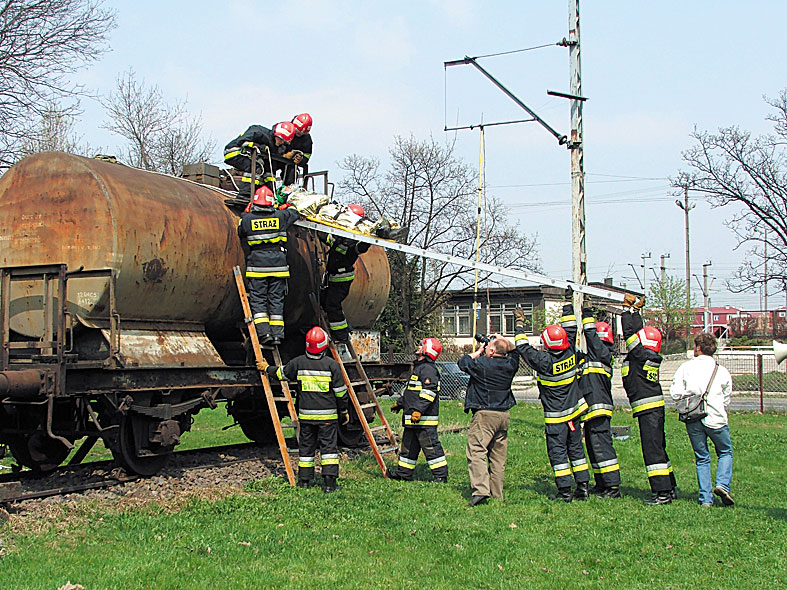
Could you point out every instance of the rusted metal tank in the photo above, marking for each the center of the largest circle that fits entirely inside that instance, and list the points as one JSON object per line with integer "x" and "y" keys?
{"x": 172, "y": 243}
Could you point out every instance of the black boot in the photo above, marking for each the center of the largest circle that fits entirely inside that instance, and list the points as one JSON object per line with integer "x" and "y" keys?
{"x": 392, "y": 474}
{"x": 563, "y": 494}
{"x": 441, "y": 479}
{"x": 581, "y": 493}
{"x": 304, "y": 483}
{"x": 598, "y": 489}
{"x": 612, "y": 492}
{"x": 329, "y": 484}
{"x": 659, "y": 499}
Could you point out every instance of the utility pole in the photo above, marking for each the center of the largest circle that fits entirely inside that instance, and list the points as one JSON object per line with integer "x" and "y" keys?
{"x": 765, "y": 279}
{"x": 686, "y": 206}
{"x": 663, "y": 268}
{"x": 644, "y": 278}
{"x": 579, "y": 255}
{"x": 706, "y": 315}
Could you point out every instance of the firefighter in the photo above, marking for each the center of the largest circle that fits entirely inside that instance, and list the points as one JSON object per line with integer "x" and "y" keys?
{"x": 561, "y": 397}
{"x": 321, "y": 404}
{"x": 340, "y": 273}
{"x": 300, "y": 150}
{"x": 421, "y": 405}
{"x": 269, "y": 142}
{"x": 596, "y": 384}
{"x": 264, "y": 229}
{"x": 640, "y": 374}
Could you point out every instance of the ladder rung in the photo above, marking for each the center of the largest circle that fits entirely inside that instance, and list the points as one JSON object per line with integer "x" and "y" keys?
{"x": 281, "y": 398}
{"x": 288, "y": 425}
{"x": 387, "y": 450}
{"x": 371, "y": 405}
{"x": 377, "y": 428}
{"x": 357, "y": 383}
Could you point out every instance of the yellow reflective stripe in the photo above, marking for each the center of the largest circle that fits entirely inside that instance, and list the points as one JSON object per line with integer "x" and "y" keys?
{"x": 520, "y": 337}
{"x": 229, "y": 155}
{"x": 562, "y": 472}
{"x": 276, "y": 322}
{"x": 438, "y": 464}
{"x": 590, "y": 320}
{"x": 329, "y": 461}
{"x": 607, "y": 469}
{"x": 260, "y": 275}
{"x": 556, "y": 383}
{"x": 261, "y": 320}
{"x": 306, "y": 463}
{"x": 571, "y": 416}
{"x": 596, "y": 413}
{"x": 583, "y": 467}
{"x": 649, "y": 406}
{"x": 422, "y": 422}
{"x": 427, "y": 395}
{"x": 624, "y": 370}
{"x": 406, "y": 465}
{"x": 598, "y": 370}
{"x": 656, "y": 472}
{"x": 334, "y": 416}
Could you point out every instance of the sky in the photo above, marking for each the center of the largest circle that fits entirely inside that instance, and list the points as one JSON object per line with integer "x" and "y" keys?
{"x": 369, "y": 71}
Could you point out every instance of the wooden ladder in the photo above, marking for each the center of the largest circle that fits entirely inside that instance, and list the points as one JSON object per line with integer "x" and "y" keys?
{"x": 359, "y": 407}
{"x": 266, "y": 385}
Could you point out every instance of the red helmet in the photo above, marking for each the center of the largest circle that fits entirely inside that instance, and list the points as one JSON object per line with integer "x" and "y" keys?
{"x": 263, "y": 197}
{"x": 650, "y": 338}
{"x": 604, "y": 331}
{"x": 316, "y": 340}
{"x": 357, "y": 209}
{"x": 554, "y": 337}
{"x": 430, "y": 347}
{"x": 302, "y": 123}
{"x": 284, "y": 131}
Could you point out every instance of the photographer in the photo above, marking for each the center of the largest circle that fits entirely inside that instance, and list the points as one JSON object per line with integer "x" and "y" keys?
{"x": 489, "y": 397}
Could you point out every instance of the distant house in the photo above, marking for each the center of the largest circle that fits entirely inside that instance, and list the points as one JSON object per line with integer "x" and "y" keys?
{"x": 494, "y": 312}
{"x": 720, "y": 320}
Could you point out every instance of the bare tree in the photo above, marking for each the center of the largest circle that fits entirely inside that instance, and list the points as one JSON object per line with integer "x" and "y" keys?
{"x": 733, "y": 168}
{"x": 667, "y": 308}
{"x": 161, "y": 136}
{"x": 54, "y": 133}
{"x": 43, "y": 42}
{"x": 431, "y": 191}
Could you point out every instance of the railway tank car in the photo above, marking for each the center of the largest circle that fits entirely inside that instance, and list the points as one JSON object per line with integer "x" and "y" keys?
{"x": 120, "y": 319}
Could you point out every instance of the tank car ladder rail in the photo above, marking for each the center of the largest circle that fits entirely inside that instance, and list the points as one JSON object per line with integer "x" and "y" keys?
{"x": 359, "y": 407}
{"x": 261, "y": 362}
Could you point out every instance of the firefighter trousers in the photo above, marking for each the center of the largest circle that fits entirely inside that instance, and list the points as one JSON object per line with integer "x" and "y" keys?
{"x": 414, "y": 440}
{"x": 266, "y": 299}
{"x": 566, "y": 453}
{"x": 332, "y": 299}
{"x": 654, "y": 450}
{"x": 601, "y": 453}
{"x": 322, "y": 434}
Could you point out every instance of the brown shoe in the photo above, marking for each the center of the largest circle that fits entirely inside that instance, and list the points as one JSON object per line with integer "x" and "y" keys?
{"x": 725, "y": 496}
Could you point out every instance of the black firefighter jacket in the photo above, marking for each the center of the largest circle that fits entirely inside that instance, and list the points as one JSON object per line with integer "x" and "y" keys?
{"x": 596, "y": 372}
{"x": 557, "y": 373}
{"x": 322, "y": 393}
{"x": 640, "y": 370}
{"x": 265, "y": 231}
{"x": 422, "y": 394}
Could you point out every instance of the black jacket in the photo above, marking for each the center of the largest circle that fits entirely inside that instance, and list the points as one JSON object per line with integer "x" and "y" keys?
{"x": 556, "y": 372}
{"x": 322, "y": 393}
{"x": 490, "y": 381}
{"x": 422, "y": 394}
{"x": 255, "y": 134}
{"x": 341, "y": 258}
{"x": 265, "y": 231}
{"x": 640, "y": 370}
{"x": 304, "y": 144}
{"x": 596, "y": 371}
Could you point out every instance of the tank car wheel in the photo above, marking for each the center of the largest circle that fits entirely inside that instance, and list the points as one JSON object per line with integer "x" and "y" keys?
{"x": 259, "y": 429}
{"x": 38, "y": 451}
{"x": 126, "y": 452}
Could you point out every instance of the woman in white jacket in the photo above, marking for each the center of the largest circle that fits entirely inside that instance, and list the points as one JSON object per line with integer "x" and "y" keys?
{"x": 692, "y": 378}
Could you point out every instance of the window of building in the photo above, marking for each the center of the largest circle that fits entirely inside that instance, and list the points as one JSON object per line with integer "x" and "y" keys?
{"x": 501, "y": 318}
{"x": 715, "y": 318}
{"x": 457, "y": 320}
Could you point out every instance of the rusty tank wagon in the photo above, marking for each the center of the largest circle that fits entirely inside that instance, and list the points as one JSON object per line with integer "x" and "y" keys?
{"x": 119, "y": 316}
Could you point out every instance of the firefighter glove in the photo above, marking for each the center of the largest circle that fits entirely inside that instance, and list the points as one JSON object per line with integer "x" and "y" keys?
{"x": 344, "y": 418}
{"x": 569, "y": 292}
{"x": 415, "y": 418}
{"x": 262, "y": 364}
{"x": 396, "y": 408}
{"x": 297, "y": 158}
{"x": 288, "y": 155}
{"x": 629, "y": 300}
{"x": 519, "y": 315}
{"x": 640, "y": 303}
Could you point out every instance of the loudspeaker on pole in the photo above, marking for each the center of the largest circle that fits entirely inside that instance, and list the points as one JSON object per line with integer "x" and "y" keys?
{"x": 779, "y": 351}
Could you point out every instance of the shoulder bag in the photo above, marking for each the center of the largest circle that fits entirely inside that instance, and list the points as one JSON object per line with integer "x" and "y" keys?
{"x": 692, "y": 408}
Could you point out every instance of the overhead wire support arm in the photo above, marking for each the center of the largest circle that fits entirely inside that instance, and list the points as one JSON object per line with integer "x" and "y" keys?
{"x": 561, "y": 139}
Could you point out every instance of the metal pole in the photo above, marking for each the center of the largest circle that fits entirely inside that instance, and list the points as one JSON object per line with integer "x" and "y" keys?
{"x": 663, "y": 268}
{"x": 759, "y": 379}
{"x": 476, "y": 305}
{"x": 689, "y": 312}
{"x": 579, "y": 255}
{"x": 765, "y": 281}
{"x": 706, "y": 293}
{"x": 644, "y": 278}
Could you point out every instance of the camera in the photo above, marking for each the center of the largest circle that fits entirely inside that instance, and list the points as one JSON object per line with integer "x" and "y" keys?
{"x": 482, "y": 339}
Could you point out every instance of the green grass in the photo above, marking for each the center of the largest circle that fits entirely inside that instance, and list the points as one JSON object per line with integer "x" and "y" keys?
{"x": 775, "y": 381}
{"x": 381, "y": 534}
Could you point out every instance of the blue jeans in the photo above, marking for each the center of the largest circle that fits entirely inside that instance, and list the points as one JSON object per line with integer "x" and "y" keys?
{"x": 699, "y": 434}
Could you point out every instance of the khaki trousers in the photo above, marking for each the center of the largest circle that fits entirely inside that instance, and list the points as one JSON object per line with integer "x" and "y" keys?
{"x": 487, "y": 444}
